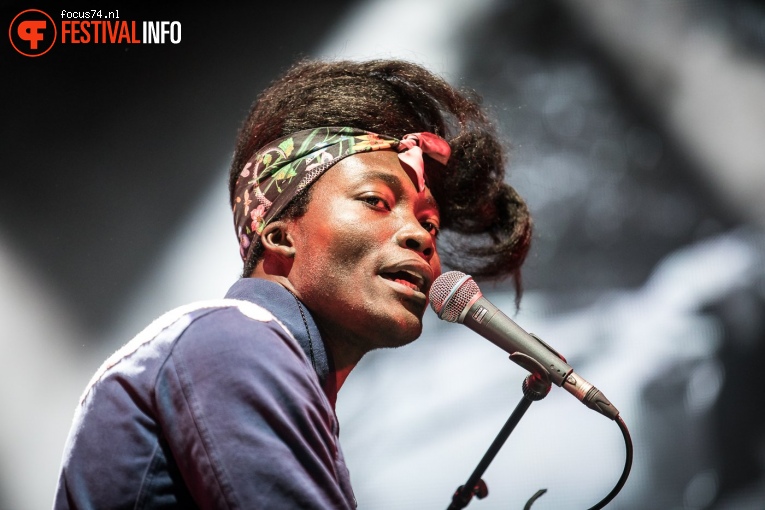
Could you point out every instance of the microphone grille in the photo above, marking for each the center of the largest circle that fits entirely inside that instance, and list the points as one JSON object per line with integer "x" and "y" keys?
{"x": 451, "y": 293}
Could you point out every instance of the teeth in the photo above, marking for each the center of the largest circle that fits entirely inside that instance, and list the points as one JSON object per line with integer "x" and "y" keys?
{"x": 407, "y": 284}
{"x": 413, "y": 281}
{"x": 417, "y": 278}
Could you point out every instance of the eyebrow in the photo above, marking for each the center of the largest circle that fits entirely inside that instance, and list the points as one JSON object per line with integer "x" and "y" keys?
{"x": 385, "y": 177}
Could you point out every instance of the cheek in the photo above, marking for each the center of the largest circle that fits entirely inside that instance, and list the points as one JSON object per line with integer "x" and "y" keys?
{"x": 334, "y": 250}
{"x": 347, "y": 236}
{"x": 351, "y": 248}
{"x": 435, "y": 263}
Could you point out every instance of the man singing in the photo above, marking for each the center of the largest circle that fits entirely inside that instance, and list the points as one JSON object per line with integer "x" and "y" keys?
{"x": 343, "y": 177}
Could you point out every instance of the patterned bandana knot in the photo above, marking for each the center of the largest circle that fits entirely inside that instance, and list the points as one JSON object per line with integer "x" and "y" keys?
{"x": 411, "y": 148}
{"x": 282, "y": 169}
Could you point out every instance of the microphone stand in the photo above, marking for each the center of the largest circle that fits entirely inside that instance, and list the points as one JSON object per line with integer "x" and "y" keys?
{"x": 535, "y": 387}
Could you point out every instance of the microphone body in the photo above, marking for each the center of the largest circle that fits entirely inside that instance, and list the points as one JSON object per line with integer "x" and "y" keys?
{"x": 455, "y": 297}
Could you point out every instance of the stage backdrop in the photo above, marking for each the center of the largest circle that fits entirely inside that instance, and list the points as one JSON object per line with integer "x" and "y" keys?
{"x": 634, "y": 130}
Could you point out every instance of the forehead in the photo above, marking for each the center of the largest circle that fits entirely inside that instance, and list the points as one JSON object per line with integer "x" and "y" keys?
{"x": 377, "y": 166}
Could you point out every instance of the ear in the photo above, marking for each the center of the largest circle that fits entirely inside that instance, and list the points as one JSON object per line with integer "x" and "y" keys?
{"x": 277, "y": 239}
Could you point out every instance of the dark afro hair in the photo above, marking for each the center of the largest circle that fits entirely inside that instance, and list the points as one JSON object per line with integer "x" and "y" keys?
{"x": 486, "y": 224}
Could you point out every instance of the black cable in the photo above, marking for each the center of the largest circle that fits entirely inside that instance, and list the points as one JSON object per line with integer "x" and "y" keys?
{"x": 619, "y": 484}
{"x": 536, "y": 496}
{"x": 627, "y": 467}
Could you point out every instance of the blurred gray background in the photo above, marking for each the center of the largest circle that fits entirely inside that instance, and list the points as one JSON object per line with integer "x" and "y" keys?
{"x": 636, "y": 132}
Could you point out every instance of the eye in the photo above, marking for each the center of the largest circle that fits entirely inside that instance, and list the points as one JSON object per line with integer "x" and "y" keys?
{"x": 431, "y": 227}
{"x": 376, "y": 202}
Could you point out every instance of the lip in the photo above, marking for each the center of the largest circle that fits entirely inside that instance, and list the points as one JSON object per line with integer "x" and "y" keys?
{"x": 420, "y": 273}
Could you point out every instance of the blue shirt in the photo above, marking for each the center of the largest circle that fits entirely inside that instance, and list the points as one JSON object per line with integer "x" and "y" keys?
{"x": 222, "y": 404}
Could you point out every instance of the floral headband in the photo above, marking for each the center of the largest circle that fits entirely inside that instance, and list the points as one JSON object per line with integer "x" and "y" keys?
{"x": 278, "y": 172}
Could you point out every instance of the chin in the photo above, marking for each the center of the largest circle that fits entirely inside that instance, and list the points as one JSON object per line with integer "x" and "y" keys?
{"x": 402, "y": 333}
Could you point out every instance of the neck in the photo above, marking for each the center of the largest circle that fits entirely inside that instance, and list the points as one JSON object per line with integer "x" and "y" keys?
{"x": 342, "y": 350}
{"x": 345, "y": 356}
{"x": 341, "y": 375}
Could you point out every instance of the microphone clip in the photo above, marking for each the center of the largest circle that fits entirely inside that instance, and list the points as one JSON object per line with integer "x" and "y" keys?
{"x": 537, "y": 384}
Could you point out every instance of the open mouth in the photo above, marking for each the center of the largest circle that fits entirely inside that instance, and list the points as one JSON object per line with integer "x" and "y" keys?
{"x": 406, "y": 278}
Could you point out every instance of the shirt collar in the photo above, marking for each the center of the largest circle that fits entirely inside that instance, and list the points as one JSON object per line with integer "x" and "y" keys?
{"x": 283, "y": 305}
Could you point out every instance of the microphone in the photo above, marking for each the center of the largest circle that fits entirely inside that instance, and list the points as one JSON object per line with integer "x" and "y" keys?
{"x": 455, "y": 297}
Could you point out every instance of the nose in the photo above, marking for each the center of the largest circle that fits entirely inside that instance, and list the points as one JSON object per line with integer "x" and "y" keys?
{"x": 413, "y": 236}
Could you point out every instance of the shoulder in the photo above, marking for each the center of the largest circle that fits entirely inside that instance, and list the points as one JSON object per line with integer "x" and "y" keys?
{"x": 241, "y": 343}
{"x": 236, "y": 328}
{"x": 202, "y": 328}
{"x": 239, "y": 364}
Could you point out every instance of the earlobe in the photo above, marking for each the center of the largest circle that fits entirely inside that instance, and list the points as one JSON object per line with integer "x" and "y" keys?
{"x": 277, "y": 239}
